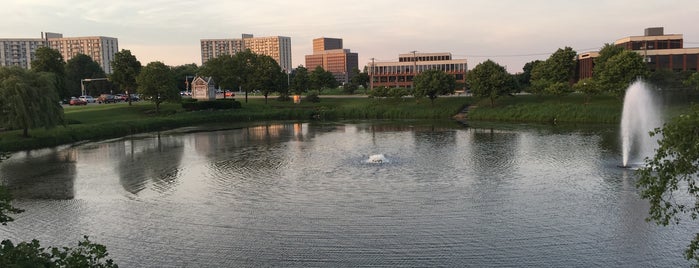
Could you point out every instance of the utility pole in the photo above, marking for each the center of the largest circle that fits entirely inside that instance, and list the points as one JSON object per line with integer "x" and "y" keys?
{"x": 414, "y": 65}
{"x": 371, "y": 76}
{"x": 82, "y": 84}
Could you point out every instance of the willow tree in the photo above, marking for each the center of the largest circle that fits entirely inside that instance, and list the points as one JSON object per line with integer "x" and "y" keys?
{"x": 51, "y": 61}
{"x": 28, "y": 100}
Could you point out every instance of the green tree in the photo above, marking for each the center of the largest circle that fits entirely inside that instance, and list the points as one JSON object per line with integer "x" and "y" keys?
{"x": 588, "y": 87}
{"x": 223, "y": 69}
{"x": 51, "y": 61}
{"x": 524, "y": 78}
{"x": 81, "y": 67}
{"x": 607, "y": 52}
{"x": 28, "y": 100}
{"x": 300, "y": 81}
{"x": 692, "y": 82}
{"x": 320, "y": 79}
{"x": 267, "y": 75}
{"x": 183, "y": 73}
{"x": 433, "y": 82}
{"x": 619, "y": 71}
{"x": 555, "y": 75}
{"x": 489, "y": 80}
{"x": 156, "y": 82}
{"x": 125, "y": 69}
{"x": 360, "y": 78}
{"x": 673, "y": 173}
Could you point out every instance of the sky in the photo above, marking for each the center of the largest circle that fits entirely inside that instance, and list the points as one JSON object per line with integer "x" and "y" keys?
{"x": 509, "y": 32}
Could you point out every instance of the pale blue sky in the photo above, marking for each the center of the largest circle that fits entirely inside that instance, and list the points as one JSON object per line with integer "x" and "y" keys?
{"x": 510, "y": 32}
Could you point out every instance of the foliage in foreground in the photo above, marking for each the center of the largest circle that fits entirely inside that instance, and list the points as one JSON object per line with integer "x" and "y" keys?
{"x": 31, "y": 254}
{"x": 672, "y": 174}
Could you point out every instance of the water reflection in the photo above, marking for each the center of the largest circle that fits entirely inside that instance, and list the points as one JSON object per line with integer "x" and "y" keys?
{"x": 150, "y": 165}
{"x": 493, "y": 153}
{"x": 298, "y": 195}
{"x": 40, "y": 174}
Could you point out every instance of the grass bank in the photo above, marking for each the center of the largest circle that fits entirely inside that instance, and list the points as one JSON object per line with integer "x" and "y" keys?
{"x": 573, "y": 108}
{"x": 95, "y": 122}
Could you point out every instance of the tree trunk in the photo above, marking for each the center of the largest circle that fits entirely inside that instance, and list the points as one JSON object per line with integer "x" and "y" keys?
{"x": 25, "y": 132}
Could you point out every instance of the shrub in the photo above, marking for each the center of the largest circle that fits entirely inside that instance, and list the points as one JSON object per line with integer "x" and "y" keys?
{"x": 224, "y": 104}
{"x": 312, "y": 96}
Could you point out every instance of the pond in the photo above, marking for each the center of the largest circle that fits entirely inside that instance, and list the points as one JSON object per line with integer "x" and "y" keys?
{"x": 301, "y": 194}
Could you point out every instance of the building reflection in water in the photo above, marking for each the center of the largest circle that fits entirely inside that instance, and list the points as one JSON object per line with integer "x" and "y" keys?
{"x": 40, "y": 174}
{"x": 152, "y": 164}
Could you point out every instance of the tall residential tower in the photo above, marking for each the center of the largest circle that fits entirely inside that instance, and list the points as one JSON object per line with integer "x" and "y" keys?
{"x": 277, "y": 47}
{"x": 21, "y": 51}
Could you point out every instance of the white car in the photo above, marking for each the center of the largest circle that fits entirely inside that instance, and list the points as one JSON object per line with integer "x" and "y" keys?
{"x": 88, "y": 99}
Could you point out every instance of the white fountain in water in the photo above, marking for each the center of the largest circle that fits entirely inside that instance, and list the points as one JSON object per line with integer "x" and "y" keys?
{"x": 641, "y": 115}
{"x": 377, "y": 158}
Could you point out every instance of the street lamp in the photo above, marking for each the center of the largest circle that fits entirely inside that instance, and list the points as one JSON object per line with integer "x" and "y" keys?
{"x": 82, "y": 85}
{"x": 186, "y": 82}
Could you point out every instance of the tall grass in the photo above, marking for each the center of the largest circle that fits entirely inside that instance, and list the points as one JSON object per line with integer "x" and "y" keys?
{"x": 530, "y": 108}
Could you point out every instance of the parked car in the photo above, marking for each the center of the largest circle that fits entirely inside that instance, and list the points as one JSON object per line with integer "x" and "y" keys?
{"x": 121, "y": 97}
{"x": 134, "y": 97}
{"x": 76, "y": 101}
{"x": 106, "y": 98}
{"x": 88, "y": 99}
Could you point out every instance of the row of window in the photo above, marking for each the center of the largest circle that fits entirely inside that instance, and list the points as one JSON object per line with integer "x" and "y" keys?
{"x": 406, "y": 78}
{"x": 424, "y": 58}
{"x": 458, "y": 67}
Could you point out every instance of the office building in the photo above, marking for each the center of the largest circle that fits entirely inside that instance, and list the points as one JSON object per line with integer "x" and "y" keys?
{"x": 277, "y": 47}
{"x": 329, "y": 54}
{"x": 659, "y": 50}
{"x": 401, "y": 73}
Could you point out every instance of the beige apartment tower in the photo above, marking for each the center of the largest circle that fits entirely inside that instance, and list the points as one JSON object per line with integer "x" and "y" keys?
{"x": 277, "y": 47}
{"x": 21, "y": 51}
{"x": 100, "y": 48}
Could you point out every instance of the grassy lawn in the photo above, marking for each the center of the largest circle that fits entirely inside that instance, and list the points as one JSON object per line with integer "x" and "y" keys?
{"x": 94, "y": 122}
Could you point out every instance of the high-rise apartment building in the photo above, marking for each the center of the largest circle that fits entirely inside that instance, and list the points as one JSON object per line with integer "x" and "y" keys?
{"x": 329, "y": 54}
{"x": 21, "y": 51}
{"x": 277, "y": 47}
{"x": 401, "y": 73}
{"x": 100, "y": 48}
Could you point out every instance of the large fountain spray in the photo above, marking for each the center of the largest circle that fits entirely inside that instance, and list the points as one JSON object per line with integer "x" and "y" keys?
{"x": 640, "y": 116}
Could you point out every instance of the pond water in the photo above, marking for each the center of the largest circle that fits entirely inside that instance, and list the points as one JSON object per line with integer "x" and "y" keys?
{"x": 299, "y": 194}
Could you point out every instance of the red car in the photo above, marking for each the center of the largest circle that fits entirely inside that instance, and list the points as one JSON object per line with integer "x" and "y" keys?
{"x": 76, "y": 101}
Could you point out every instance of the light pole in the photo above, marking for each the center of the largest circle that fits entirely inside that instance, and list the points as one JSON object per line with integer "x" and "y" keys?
{"x": 82, "y": 84}
{"x": 188, "y": 85}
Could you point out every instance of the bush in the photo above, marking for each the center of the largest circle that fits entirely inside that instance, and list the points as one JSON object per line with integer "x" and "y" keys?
{"x": 312, "y": 96}
{"x": 224, "y": 104}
